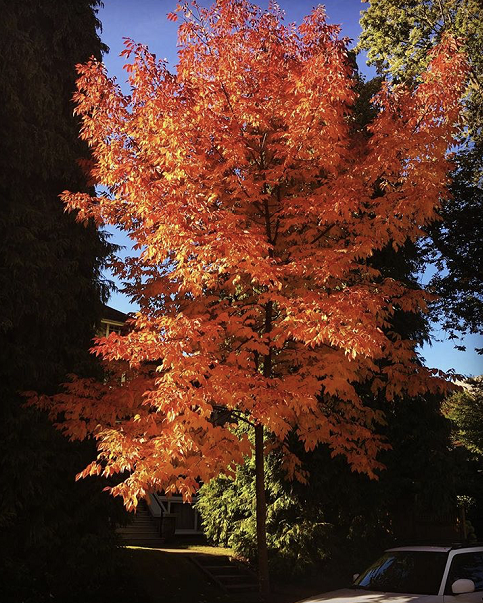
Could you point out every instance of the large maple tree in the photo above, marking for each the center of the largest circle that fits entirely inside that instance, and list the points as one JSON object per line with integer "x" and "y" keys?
{"x": 255, "y": 205}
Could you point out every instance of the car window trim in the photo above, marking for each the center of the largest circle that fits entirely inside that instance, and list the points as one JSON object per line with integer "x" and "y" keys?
{"x": 446, "y": 588}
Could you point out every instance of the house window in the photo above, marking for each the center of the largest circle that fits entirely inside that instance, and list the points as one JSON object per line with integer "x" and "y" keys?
{"x": 108, "y": 326}
{"x": 187, "y": 518}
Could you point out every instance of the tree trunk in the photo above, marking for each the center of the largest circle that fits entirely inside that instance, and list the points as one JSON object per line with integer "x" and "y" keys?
{"x": 263, "y": 579}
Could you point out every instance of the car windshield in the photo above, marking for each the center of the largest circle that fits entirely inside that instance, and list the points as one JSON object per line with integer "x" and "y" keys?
{"x": 411, "y": 572}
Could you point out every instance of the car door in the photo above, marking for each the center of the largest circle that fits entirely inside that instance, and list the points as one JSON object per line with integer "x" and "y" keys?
{"x": 465, "y": 565}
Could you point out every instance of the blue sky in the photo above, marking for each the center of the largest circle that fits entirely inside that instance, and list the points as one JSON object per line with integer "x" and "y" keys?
{"x": 145, "y": 21}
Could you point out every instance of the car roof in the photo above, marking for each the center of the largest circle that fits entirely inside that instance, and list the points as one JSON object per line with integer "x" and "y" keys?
{"x": 438, "y": 548}
{"x": 432, "y": 549}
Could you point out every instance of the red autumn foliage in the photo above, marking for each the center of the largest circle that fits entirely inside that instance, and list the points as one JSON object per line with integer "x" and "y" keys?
{"x": 255, "y": 209}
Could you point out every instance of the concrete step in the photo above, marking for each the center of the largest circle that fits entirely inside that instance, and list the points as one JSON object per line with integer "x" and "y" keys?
{"x": 141, "y": 524}
{"x": 128, "y": 539}
{"x": 218, "y": 568}
{"x": 214, "y": 560}
{"x": 146, "y": 528}
{"x": 240, "y": 587}
{"x": 134, "y": 533}
{"x": 147, "y": 524}
{"x": 143, "y": 531}
{"x": 228, "y": 570}
{"x": 229, "y": 575}
{"x": 237, "y": 579}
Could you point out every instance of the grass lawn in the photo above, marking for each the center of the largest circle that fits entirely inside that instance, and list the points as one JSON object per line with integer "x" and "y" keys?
{"x": 169, "y": 576}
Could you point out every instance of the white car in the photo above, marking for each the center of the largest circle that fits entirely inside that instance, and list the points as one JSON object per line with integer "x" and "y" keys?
{"x": 417, "y": 574}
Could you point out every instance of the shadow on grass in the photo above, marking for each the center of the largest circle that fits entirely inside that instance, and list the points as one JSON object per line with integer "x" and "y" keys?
{"x": 168, "y": 575}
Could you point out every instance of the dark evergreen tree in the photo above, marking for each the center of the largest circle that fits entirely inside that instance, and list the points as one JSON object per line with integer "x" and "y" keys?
{"x": 465, "y": 410}
{"x": 398, "y": 36}
{"x": 339, "y": 521}
{"x": 51, "y": 294}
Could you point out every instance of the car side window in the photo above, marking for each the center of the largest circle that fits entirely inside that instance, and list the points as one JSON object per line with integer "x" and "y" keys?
{"x": 468, "y": 566}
